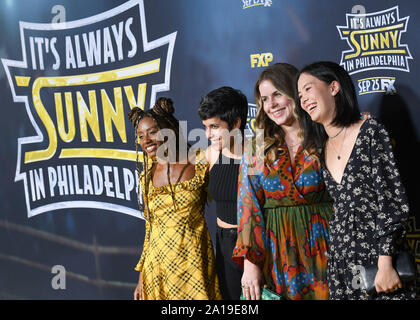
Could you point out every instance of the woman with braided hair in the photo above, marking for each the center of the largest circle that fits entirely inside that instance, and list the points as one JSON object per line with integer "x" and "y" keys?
{"x": 177, "y": 262}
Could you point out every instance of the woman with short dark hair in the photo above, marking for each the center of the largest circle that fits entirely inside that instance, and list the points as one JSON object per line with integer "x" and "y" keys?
{"x": 223, "y": 112}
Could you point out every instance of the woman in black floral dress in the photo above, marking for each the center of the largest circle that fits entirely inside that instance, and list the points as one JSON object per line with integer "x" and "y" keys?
{"x": 370, "y": 206}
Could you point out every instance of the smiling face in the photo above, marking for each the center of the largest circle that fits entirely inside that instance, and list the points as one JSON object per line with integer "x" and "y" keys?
{"x": 217, "y": 131}
{"x": 317, "y": 98}
{"x": 148, "y": 134}
{"x": 278, "y": 107}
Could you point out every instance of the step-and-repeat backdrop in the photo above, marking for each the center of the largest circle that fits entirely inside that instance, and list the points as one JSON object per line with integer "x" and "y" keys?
{"x": 70, "y": 227}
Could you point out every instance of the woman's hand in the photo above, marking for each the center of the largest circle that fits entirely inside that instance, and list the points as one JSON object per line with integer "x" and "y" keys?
{"x": 251, "y": 281}
{"x": 139, "y": 289}
{"x": 366, "y": 115}
{"x": 386, "y": 279}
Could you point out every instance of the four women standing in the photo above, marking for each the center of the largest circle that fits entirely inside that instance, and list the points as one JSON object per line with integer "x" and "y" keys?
{"x": 285, "y": 215}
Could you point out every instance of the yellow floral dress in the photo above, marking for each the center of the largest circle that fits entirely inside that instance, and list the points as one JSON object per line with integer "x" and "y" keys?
{"x": 177, "y": 262}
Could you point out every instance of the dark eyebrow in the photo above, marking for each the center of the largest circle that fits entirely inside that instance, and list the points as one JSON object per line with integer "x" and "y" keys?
{"x": 151, "y": 128}
{"x": 306, "y": 84}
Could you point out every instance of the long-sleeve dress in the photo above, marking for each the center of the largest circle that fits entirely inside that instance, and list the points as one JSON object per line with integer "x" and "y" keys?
{"x": 283, "y": 213}
{"x": 370, "y": 208}
{"x": 177, "y": 262}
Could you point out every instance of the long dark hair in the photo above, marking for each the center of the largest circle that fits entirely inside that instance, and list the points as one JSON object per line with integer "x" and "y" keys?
{"x": 347, "y": 107}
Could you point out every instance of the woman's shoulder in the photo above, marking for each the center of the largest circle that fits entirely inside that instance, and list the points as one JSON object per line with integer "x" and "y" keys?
{"x": 199, "y": 156}
{"x": 371, "y": 121}
{"x": 373, "y": 126}
{"x": 197, "y": 171}
{"x": 253, "y": 148}
{"x": 375, "y": 133}
{"x": 211, "y": 154}
{"x": 199, "y": 161}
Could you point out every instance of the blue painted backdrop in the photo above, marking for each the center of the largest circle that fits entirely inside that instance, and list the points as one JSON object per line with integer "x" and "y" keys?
{"x": 217, "y": 43}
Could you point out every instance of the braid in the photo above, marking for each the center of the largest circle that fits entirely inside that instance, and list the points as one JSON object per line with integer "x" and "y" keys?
{"x": 164, "y": 109}
{"x": 145, "y": 167}
{"x": 170, "y": 187}
{"x": 145, "y": 209}
{"x": 135, "y": 115}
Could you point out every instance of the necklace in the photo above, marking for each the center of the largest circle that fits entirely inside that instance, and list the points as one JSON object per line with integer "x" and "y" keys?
{"x": 337, "y": 133}
{"x": 292, "y": 145}
{"x": 342, "y": 142}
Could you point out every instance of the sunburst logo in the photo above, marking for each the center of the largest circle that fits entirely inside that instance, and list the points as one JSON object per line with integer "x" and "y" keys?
{"x": 375, "y": 41}
{"x": 254, "y": 3}
{"x": 77, "y": 81}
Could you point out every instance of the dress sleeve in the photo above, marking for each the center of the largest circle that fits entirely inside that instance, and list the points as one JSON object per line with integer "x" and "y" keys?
{"x": 251, "y": 241}
{"x": 393, "y": 205}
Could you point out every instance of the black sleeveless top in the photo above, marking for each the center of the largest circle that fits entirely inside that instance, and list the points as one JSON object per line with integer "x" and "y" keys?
{"x": 223, "y": 187}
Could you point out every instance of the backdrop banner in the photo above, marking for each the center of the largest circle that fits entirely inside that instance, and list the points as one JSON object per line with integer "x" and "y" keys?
{"x": 70, "y": 223}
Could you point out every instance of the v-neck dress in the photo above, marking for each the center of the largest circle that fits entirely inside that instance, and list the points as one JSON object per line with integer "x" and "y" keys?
{"x": 283, "y": 213}
{"x": 370, "y": 208}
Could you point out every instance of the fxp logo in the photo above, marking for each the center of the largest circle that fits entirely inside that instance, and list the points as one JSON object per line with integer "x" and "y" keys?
{"x": 261, "y": 59}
